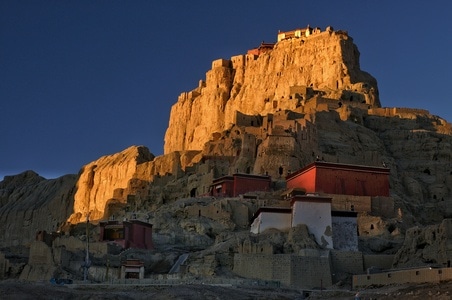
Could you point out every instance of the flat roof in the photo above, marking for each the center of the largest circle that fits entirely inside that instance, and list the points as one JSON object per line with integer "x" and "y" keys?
{"x": 310, "y": 198}
{"x": 231, "y": 177}
{"x": 342, "y": 166}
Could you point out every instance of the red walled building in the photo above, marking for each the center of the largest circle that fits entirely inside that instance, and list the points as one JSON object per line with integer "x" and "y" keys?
{"x": 238, "y": 184}
{"x": 128, "y": 234}
{"x": 343, "y": 179}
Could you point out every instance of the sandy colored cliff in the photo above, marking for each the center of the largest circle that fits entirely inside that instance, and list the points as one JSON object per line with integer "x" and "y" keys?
{"x": 106, "y": 179}
{"x": 327, "y": 62}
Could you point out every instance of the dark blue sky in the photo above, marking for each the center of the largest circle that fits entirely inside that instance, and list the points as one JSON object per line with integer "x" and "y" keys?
{"x": 82, "y": 79}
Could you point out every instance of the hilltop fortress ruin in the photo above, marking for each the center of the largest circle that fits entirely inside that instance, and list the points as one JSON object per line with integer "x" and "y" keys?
{"x": 236, "y": 148}
{"x": 305, "y": 70}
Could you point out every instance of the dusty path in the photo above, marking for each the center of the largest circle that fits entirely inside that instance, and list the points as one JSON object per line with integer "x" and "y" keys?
{"x": 16, "y": 290}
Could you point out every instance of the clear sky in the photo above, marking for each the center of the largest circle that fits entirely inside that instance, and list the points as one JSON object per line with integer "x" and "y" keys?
{"x": 80, "y": 79}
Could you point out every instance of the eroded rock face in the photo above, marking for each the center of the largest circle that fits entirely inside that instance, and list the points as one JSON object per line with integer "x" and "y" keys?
{"x": 327, "y": 62}
{"x": 30, "y": 203}
{"x": 254, "y": 114}
{"x": 104, "y": 180}
{"x": 429, "y": 245}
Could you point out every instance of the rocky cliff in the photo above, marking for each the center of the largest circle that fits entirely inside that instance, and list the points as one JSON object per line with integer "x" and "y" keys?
{"x": 106, "y": 180}
{"x": 328, "y": 62}
{"x": 266, "y": 113}
{"x": 29, "y": 203}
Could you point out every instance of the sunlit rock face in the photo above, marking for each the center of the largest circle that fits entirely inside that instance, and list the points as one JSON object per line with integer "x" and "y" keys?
{"x": 106, "y": 179}
{"x": 115, "y": 178}
{"x": 270, "y": 114}
{"x": 327, "y": 62}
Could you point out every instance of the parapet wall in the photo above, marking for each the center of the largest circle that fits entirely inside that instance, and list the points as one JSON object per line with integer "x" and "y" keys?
{"x": 221, "y": 63}
{"x": 402, "y": 112}
{"x": 412, "y": 276}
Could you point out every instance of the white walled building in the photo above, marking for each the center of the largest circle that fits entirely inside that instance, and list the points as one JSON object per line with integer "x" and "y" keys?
{"x": 271, "y": 217}
{"x": 331, "y": 229}
{"x": 315, "y": 212}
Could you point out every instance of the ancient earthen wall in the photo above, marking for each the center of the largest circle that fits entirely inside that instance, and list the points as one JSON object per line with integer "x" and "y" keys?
{"x": 212, "y": 211}
{"x": 291, "y": 270}
{"x": 257, "y": 266}
{"x": 380, "y": 261}
{"x": 309, "y": 272}
{"x": 40, "y": 263}
{"x": 221, "y": 63}
{"x": 282, "y": 267}
{"x": 350, "y": 262}
{"x": 247, "y": 120}
{"x": 402, "y": 112}
{"x": 272, "y": 154}
{"x": 250, "y": 247}
{"x": 412, "y": 276}
{"x": 350, "y": 202}
{"x": 238, "y": 61}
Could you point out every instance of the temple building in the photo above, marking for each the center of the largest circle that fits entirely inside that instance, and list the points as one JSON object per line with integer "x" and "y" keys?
{"x": 342, "y": 179}
{"x": 127, "y": 234}
{"x": 239, "y": 184}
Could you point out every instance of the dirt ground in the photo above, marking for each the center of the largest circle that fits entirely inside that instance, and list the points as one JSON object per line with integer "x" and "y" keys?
{"x": 10, "y": 289}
